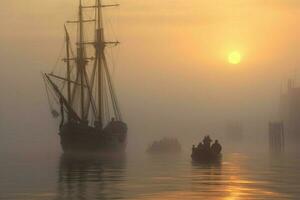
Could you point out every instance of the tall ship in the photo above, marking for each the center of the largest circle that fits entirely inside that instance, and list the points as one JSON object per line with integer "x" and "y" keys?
{"x": 91, "y": 119}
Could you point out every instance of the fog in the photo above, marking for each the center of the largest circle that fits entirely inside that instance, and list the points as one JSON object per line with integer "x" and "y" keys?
{"x": 172, "y": 76}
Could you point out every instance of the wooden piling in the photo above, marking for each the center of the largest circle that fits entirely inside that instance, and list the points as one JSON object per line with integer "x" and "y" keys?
{"x": 276, "y": 137}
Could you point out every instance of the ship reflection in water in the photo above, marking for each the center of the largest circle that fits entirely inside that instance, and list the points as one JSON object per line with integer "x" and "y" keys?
{"x": 150, "y": 177}
{"x": 172, "y": 177}
{"x": 83, "y": 176}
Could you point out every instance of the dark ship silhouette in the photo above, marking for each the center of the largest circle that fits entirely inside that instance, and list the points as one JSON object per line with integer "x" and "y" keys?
{"x": 205, "y": 152}
{"x": 166, "y": 145}
{"x": 85, "y": 91}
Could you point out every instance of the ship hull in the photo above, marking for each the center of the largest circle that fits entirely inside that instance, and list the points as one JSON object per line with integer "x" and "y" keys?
{"x": 82, "y": 138}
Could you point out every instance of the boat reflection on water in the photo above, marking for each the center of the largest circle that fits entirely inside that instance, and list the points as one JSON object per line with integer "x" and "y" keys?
{"x": 90, "y": 177}
{"x": 230, "y": 180}
{"x": 207, "y": 178}
{"x": 216, "y": 164}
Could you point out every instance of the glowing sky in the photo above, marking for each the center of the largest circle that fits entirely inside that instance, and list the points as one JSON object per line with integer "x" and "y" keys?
{"x": 173, "y": 50}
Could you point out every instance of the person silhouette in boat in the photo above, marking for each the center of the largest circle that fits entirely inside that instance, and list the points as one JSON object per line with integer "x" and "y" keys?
{"x": 193, "y": 148}
{"x": 200, "y": 147}
{"x": 206, "y": 142}
{"x": 216, "y": 148}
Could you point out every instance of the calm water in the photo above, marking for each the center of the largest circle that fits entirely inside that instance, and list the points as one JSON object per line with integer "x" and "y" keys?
{"x": 149, "y": 177}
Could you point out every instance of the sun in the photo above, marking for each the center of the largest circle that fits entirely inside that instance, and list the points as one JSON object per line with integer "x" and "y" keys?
{"x": 234, "y": 58}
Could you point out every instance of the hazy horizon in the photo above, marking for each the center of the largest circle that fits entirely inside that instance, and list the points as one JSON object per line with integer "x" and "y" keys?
{"x": 172, "y": 76}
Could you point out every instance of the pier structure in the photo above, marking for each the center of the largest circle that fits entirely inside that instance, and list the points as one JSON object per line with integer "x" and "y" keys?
{"x": 290, "y": 115}
{"x": 276, "y": 137}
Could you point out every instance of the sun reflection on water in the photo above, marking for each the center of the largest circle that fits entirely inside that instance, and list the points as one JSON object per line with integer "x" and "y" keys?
{"x": 227, "y": 181}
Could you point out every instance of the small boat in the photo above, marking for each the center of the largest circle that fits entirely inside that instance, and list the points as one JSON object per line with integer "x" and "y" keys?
{"x": 205, "y": 152}
{"x": 166, "y": 145}
{"x": 206, "y": 157}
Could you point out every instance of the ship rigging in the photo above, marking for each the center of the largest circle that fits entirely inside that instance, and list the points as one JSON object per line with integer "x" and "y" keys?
{"x": 85, "y": 91}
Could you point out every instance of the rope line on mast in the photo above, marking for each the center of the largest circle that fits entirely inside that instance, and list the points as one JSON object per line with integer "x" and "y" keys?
{"x": 107, "y": 112}
{"x": 58, "y": 58}
{"x": 91, "y": 99}
{"x": 112, "y": 92}
{"x": 53, "y": 111}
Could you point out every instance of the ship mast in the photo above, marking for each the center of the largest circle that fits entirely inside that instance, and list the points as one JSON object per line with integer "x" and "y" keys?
{"x": 81, "y": 59}
{"x": 99, "y": 52}
{"x": 68, "y": 68}
{"x": 100, "y": 45}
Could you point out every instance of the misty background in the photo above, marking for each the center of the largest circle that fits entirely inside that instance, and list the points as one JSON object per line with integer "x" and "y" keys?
{"x": 171, "y": 76}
